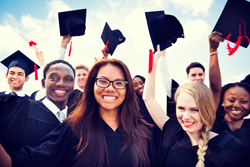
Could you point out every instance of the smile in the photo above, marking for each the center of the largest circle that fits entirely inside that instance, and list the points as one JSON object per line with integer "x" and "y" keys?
{"x": 109, "y": 97}
{"x": 187, "y": 124}
{"x": 60, "y": 92}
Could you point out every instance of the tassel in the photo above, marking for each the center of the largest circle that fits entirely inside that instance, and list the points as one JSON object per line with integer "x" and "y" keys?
{"x": 31, "y": 43}
{"x": 150, "y": 62}
{"x": 35, "y": 69}
{"x": 236, "y": 46}
{"x": 105, "y": 48}
{"x": 70, "y": 48}
{"x": 237, "y": 43}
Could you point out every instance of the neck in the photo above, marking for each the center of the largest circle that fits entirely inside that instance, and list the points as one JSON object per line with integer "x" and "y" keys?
{"x": 15, "y": 90}
{"x": 194, "y": 138}
{"x": 110, "y": 117}
{"x": 233, "y": 124}
{"x": 61, "y": 106}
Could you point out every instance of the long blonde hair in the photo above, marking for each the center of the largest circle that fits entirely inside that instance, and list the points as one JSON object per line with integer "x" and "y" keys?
{"x": 206, "y": 106}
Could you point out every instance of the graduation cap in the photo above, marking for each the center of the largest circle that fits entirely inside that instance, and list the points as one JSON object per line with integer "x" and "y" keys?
{"x": 163, "y": 29}
{"x": 112, "y": 38}
{"x": 18, "y": 59}
{"x": 72, "y": 22}
{"x": 235, "y": 20}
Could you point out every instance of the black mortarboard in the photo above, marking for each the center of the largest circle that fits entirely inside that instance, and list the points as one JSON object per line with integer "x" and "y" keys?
{"x": 114, "y": 37}
{"x": 72, "y": 22}
{"x": 18, "y": 59}
{"x": 163, "y": 29}
{"x": 230, "y": 21}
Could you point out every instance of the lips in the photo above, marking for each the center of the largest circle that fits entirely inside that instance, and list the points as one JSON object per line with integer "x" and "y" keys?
{"x": 187, "y": 124}
{"x": 236, "y": 112}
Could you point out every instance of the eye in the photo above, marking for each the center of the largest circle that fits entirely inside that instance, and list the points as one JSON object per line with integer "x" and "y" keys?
{"x": 68, "y": 79}
{"x": 231, "y": 100}
{"x": 196, "y": 110}
{"x": 53, "y": 78}
{"x": 102, "y": 81}
{"x": 244, "y": 102}
{"x": 180, "y": 108}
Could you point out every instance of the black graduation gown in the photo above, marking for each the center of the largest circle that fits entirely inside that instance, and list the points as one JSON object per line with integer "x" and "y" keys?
{"x": 155, "y": 131}
{"x": 23, "y": 122}
{"x": 243, "y": 134}
{"x": 223, "y": 150}
{"x": 58, "y": 149}
{"x": 26, "y": 96}
{"x": 171, "y": 105}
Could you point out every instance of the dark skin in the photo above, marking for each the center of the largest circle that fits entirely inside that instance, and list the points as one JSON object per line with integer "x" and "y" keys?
{"x": 59, "y": 84}
{"x": 214, "y": 68}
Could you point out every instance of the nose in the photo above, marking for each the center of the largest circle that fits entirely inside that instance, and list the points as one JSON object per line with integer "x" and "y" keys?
{"x": 236, "y": 104}
{"x": 60, "y": 83}
{"x": 186, "y": 115}
{"x": 110, "y": 87}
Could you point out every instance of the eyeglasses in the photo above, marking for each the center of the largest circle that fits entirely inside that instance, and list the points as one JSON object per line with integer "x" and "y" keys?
{"x": 104, "y": 83}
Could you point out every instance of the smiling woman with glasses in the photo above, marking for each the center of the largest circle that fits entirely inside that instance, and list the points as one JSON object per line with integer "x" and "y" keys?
{"x": 106, "y": 129}
{"x": 104, "y": 83}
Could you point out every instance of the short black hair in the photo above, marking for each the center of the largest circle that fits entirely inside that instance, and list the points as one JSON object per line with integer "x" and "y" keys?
{"x": 141, "y": 77}
{"x": 193, "y": 65}
{"x": 46, "y": 68}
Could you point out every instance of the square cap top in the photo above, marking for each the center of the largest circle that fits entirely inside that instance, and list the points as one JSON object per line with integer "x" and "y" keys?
{"x": 72, "y": 22}
{"x": 163, "y": 29}
{"x": 230, "y": 21}
{"x": 114, "y": 37}
{"x": 18, "y": 59}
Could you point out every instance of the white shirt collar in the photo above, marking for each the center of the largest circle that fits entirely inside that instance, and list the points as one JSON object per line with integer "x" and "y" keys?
{"x": 53, "y": 108}
{"x": 19, "y": 93}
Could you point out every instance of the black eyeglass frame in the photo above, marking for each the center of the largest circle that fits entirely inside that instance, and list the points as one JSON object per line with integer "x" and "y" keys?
{"x": 126, "y": 82}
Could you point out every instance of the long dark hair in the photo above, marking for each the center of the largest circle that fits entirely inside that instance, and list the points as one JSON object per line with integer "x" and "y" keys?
{"x": 228, "y": 86}
{"x": 85, "y": 123}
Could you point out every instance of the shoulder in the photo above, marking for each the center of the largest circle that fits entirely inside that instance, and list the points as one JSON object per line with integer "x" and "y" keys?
{"x": 226, "y": 149}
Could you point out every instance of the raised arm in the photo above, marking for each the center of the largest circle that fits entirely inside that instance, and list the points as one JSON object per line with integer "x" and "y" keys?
{"x": 65, "y": 41}
{"x": 154, "y": 108}
{"x": 214, "y": 68}
{"x": 5, "y": 160}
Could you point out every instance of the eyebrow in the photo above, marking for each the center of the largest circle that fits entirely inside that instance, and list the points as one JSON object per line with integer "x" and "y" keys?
{"x": 113, "y": 80}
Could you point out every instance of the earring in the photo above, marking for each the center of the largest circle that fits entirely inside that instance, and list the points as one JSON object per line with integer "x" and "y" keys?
{"x": 222, "y": 104}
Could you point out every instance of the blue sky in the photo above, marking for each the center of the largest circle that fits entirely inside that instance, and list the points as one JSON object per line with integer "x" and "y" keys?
{"x": 38, "y": 20}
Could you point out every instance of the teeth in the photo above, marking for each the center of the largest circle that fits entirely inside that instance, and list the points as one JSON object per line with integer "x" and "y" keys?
{"x": 188, "y": 123}
{"x": 236, "y": 112}
{"x": 60, "y": 91}
{"x": 141, "y": 90}
{"x": 109, "y": 97}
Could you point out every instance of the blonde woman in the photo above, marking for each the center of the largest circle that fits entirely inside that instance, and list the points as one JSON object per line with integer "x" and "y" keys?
{"x": 188, "y": 140}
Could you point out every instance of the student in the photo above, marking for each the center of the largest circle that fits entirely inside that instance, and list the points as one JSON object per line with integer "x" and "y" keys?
{"x": 234, "y": 106}
{"x": 19, "y": 68}
{"x": 24, "y": 121}
{"x": 106, "y": 130}
{"x": 190, "y": 137}
{"x": 81, "y": 72}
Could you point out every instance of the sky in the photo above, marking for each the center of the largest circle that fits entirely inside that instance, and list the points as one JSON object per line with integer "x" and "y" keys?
{"x": 38, "y": 20}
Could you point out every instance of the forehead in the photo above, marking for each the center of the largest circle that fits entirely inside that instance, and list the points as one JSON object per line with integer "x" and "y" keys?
{"x": 81, "y": 70}
{"x": 137, "y": 79}
{"x": 186, "y": 100}
{"x": 195, "y": 70}
{"x": 60, "y": 68}
{"x": 111, "y": 72}
{"x": 16, "y": 69}
{"x": 237, "y": 91}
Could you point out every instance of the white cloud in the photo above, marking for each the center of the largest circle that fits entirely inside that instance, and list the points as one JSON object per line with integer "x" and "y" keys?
{"x": 196, "y": 7}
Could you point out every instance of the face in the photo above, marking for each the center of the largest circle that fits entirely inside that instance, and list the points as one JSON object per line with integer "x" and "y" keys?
{"x": 236, "y": 103}
{"x": 196, "y": 74}
{"x": 188, "y": 114}
{"x": 16, "y": 78}
{"x": 110, "y": 99}
{"x": 59, "y": 84}
{"x": 81, "y": 76}
{"x": 138, "y": 85}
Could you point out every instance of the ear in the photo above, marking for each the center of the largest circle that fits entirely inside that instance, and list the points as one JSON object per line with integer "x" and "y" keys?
{"x": 26, "y": 79}
{"x": 6, "y": 75}
{"x": 188, "y": 77}
{"x": 43, "y": 83}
